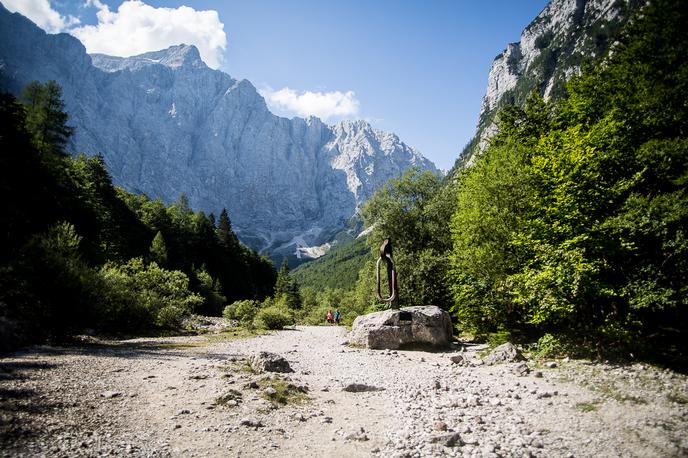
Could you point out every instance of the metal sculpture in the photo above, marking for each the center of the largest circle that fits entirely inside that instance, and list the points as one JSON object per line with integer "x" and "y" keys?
{"x": 386, "y": 256}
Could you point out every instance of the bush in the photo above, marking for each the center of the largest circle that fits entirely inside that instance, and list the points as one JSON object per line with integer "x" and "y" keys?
{"x": 170, "y": 316}
{"x": 135, "y": 295}
{"x": 242, "y": 311}
{"x": 273, "y": 318}
{"x": 548, "y": 346}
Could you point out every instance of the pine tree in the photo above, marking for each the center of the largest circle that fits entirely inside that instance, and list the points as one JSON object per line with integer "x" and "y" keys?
{"x": 225, "y": 234}
{"x": 282, "y": 283}
{"x": 287, "y": 289}
{"x": 158, "y": 249}
{"x": 46, "y": 118}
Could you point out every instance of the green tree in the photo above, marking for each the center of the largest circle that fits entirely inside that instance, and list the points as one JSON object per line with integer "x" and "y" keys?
{"x": 287, "y": 288}
{"x": 414, "y": 211}
{"x": 158, "y": 249}
{"x": 46, "y": 118}
{"x": 225, "y": 233}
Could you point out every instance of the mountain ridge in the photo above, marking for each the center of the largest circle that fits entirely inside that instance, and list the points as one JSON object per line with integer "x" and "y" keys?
{"x": 166, "y": 124}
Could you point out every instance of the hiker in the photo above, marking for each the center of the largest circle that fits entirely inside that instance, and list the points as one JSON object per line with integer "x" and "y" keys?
{"x": 337, "y": 316}
{"x": 329, "y": 316}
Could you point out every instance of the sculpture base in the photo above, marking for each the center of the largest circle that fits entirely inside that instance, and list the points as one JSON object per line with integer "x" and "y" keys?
{"x": 407, "y": 327}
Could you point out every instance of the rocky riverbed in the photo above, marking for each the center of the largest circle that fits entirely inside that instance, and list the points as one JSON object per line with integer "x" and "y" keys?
{"x": 196, "y": 396}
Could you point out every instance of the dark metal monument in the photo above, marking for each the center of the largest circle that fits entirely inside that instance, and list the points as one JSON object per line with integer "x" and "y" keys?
{"x": 386, "y": 256}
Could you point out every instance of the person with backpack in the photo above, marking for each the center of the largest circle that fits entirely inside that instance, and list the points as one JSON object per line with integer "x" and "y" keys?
{"x": 337, "y": 316}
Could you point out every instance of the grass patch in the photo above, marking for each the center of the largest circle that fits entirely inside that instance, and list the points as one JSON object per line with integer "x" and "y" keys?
{"x": 234, "y": 334}
{"x": 677, "y": 398}
{"x": 208, "y": 339}
{"x": 609, "y": 390}
{"x": 285, "y": 393}
{"x": 587, "y": 406}
{"x": 231, "y": 395}
{"x": 240, "y": 365}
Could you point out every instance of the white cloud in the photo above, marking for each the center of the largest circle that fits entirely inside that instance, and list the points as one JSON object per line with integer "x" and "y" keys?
{"x": 324, "y": 105}
{"x": 40, "y": 12}
{"x": 136, "y": 28}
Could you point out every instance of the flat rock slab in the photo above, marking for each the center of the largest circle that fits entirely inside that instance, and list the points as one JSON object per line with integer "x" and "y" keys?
{"x": 410, "y": 326}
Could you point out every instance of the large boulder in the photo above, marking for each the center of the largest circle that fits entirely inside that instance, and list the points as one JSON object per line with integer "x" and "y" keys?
{"x": 269, "y": 362}
{"x": 407, "y": 327}
{"x": 505, "y": 353}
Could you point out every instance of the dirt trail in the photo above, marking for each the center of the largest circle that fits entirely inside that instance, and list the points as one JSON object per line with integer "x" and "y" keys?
{"x": 157, "y": 397}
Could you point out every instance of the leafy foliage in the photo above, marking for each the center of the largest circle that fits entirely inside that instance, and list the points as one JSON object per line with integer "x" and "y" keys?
{"x": 574, "y": 219}
{"x": 414, "y": 211}
{"x": 273, "y": 318}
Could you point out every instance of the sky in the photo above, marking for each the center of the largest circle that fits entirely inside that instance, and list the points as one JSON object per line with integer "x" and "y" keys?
{"x": 416, "y": 68}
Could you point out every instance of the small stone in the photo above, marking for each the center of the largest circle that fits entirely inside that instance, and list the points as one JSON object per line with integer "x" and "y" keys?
{"x": 111, "y": 394}
{"x": 537, "y": 374}
{"x": 520, "y": 369}
{"x": 252, "y": 422}
{"x": 360, "y": 387}
{"x": 327, "y": 420}
{"x": 456, "y": 359}
{"x": 551, "y": 365}
{"x": 440, "y": 426}
{"x": 448, "y": 440}
{"x": 270, "y": 391}
{"x": 360, "y": 436}
{"x": 184, "y": 412}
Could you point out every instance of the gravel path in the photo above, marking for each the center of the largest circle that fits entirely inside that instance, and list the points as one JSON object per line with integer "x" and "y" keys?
{"x": 157, "y": 397}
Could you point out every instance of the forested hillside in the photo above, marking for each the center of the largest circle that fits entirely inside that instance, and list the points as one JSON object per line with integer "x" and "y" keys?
{"x": 77, "y": 252}
{"x": 338, "y": 268}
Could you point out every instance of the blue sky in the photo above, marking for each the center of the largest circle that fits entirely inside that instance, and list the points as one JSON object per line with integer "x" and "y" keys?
{"x": 415, "y": 68}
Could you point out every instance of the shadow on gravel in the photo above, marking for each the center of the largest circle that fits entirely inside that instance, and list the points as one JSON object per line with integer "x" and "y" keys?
{"x": 160, "y": 350}
{"x": 18, "y": 405}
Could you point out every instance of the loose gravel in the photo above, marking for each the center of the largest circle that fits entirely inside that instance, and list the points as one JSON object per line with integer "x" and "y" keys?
{"x": 194, "y": 396}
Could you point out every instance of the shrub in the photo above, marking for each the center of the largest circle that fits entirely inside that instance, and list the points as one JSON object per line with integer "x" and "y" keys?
{"x": 139, "y": 295}
{"x": 170, "y": 316}
{"x": 548, "y": 346}
{"x": 273, "y": 318}
{"x": 242, "y": 311}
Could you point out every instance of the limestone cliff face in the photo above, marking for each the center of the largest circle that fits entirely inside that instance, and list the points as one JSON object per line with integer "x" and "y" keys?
{"x": 551, "y": 49}
{"x": 167, "y": 124}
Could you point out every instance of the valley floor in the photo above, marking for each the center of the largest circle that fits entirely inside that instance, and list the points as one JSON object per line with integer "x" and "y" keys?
{"x": 157, "y": 397}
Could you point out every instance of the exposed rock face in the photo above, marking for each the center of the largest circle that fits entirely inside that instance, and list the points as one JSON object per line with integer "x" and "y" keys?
{"x": 392, "y": 329}
{"x": 167, "y": 124}
{"x": 550, "y": 50}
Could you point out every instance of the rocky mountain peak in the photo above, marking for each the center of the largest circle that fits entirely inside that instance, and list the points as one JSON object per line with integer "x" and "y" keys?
{"x": 173, "y": 57}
